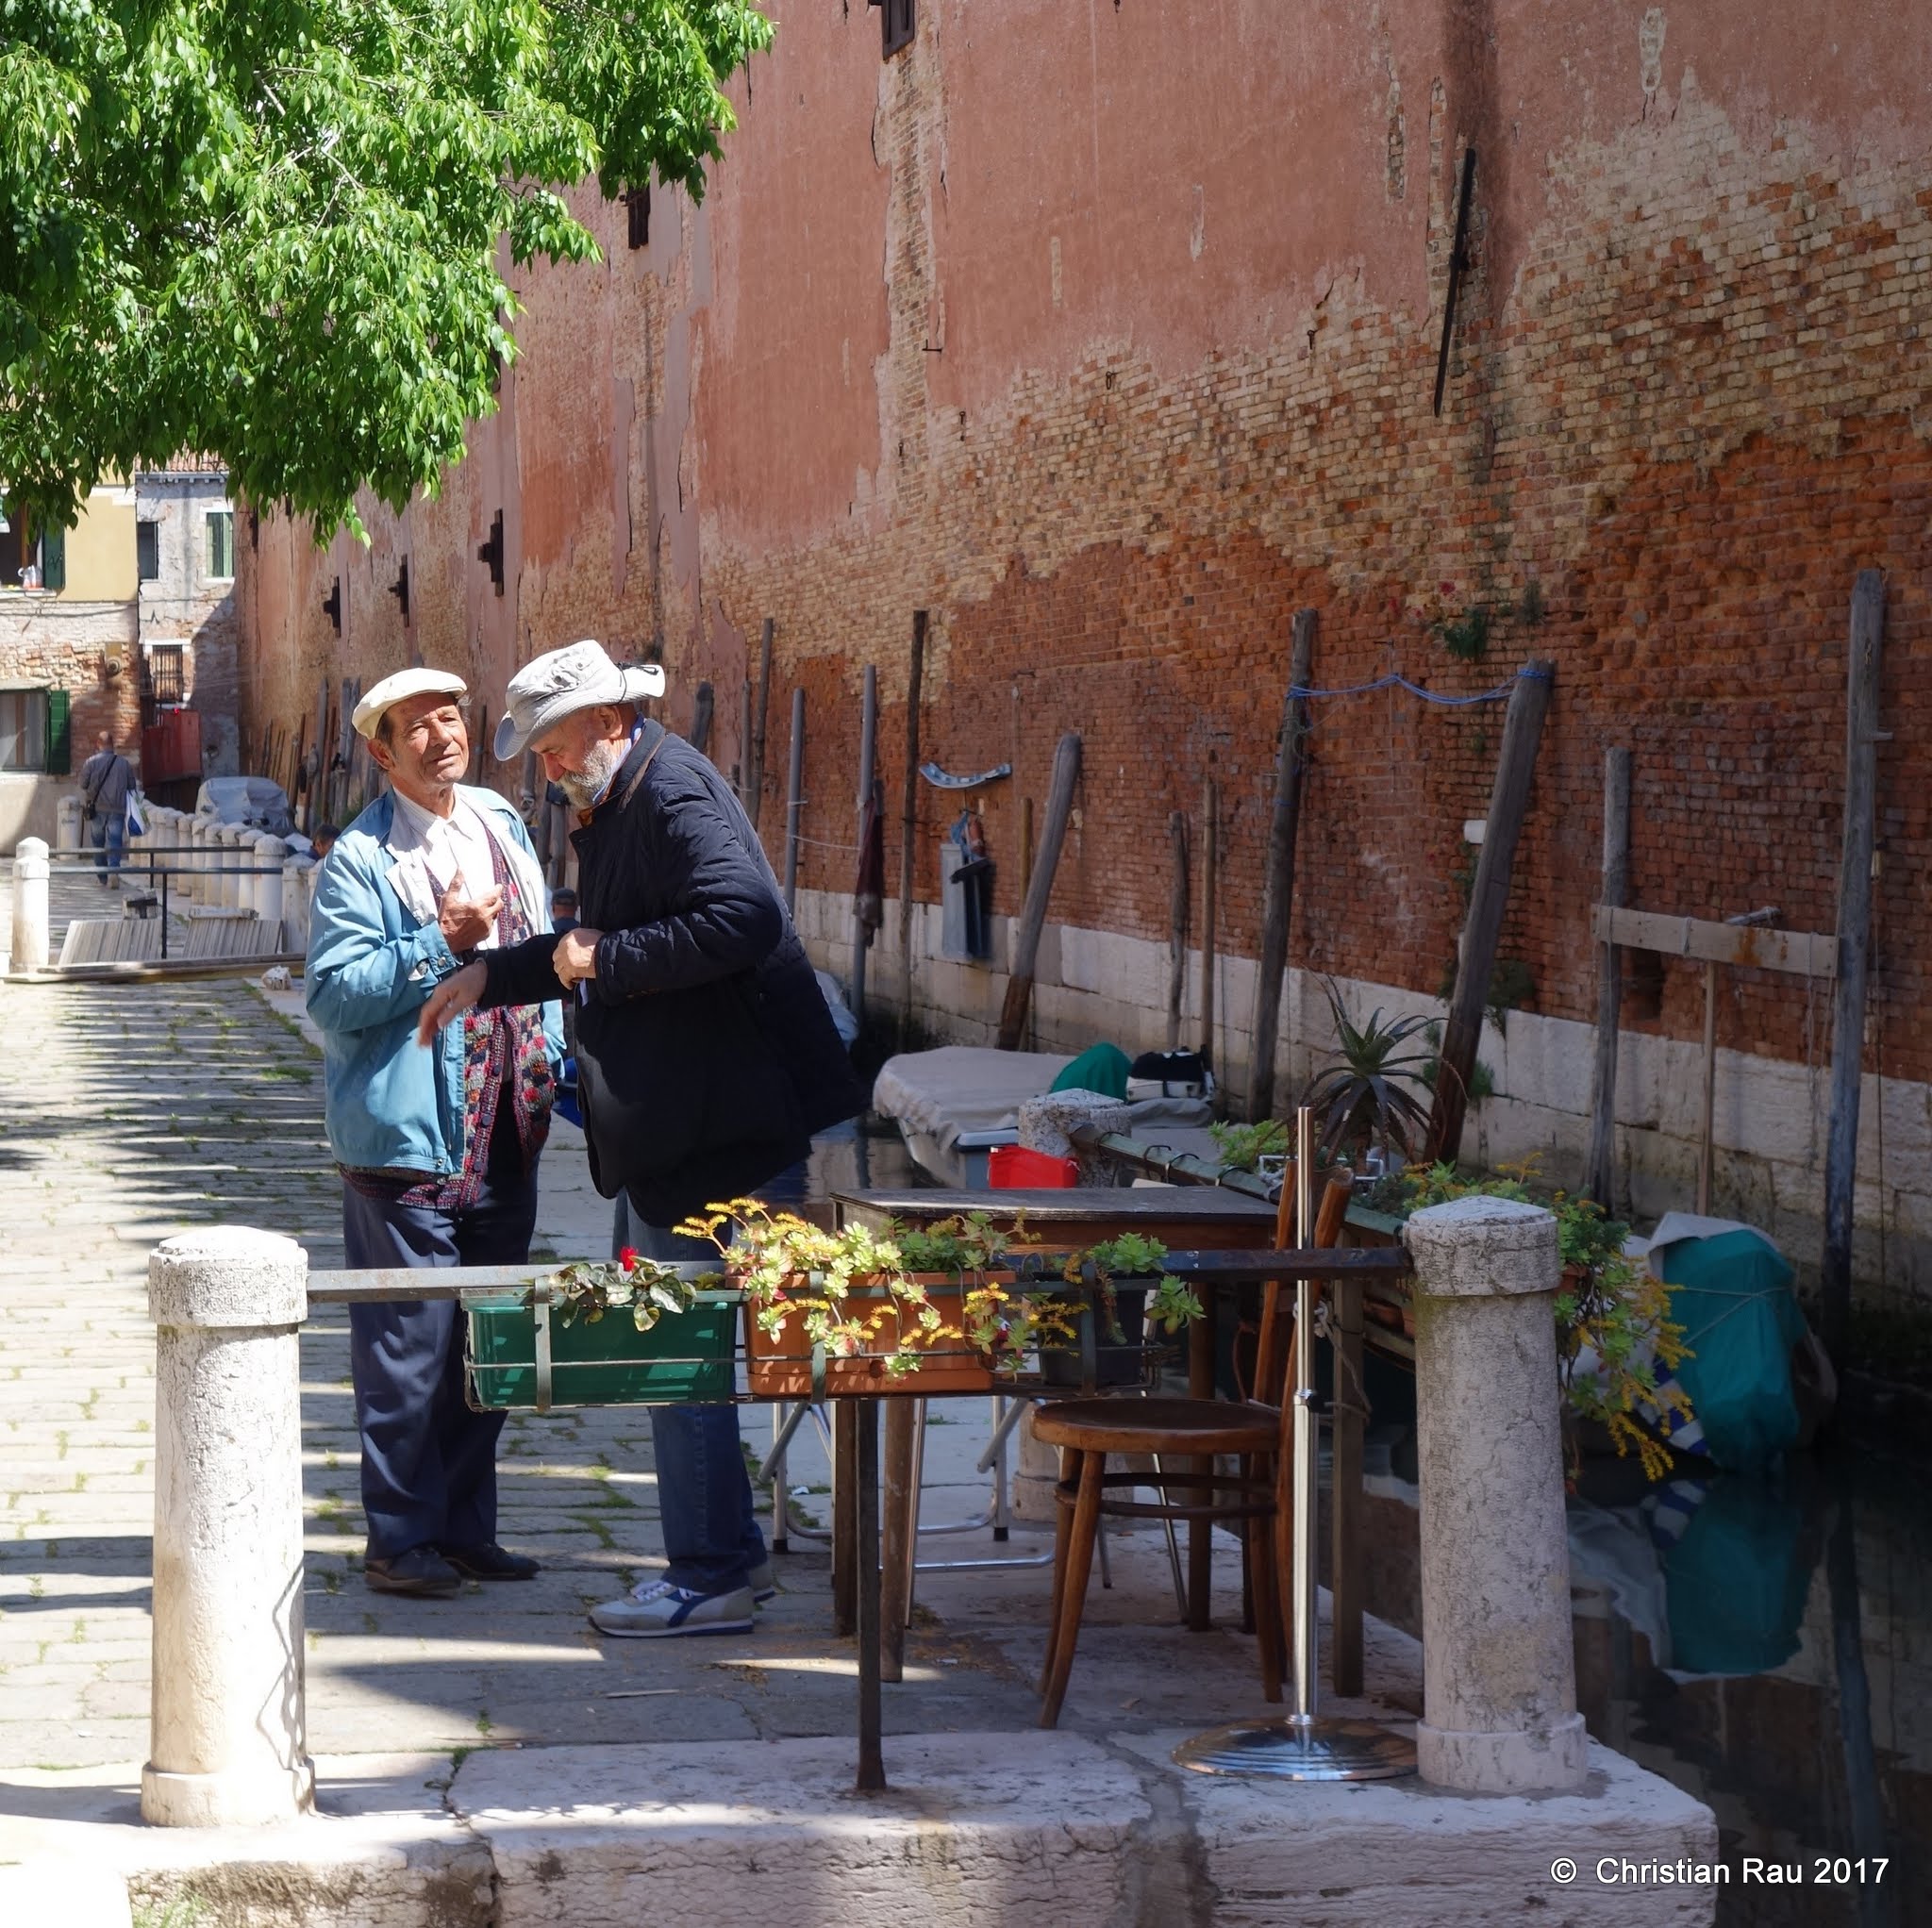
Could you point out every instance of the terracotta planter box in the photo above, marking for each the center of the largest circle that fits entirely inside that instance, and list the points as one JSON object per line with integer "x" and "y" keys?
{"x": 778, "y": 1365}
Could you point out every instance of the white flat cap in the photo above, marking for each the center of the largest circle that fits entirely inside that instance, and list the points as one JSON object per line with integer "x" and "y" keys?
{"x": 576, "y": 676}
{"x": 391, "y": 690}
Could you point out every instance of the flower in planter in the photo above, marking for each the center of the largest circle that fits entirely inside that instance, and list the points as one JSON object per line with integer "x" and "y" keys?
{"x": 586, "y": 1291}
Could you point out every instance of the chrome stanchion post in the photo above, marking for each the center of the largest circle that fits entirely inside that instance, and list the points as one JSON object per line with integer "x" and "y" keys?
{"x": 1301, "y": 1747}
{"x": 1307, "y": 1434}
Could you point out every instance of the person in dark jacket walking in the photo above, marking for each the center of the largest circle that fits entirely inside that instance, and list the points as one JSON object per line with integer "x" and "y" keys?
{"x": 706, "y": 1057}
{"x": 105, "y": 778}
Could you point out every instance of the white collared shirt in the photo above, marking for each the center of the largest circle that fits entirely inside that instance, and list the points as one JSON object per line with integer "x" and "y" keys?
{"x": 459, "y": 841}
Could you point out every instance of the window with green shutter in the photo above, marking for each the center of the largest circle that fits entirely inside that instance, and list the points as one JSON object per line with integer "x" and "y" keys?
{"x": 25, "y": 733}
{"x": 220, "y": 544}
{"x": 59, "y": 732}
{"x": 53, "y": 558}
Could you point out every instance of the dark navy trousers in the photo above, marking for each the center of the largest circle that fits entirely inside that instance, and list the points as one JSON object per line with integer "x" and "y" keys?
{"x": 428, "y": 1462}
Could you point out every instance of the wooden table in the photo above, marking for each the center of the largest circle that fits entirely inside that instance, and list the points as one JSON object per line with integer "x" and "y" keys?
{"x": 1191, "y": 1217}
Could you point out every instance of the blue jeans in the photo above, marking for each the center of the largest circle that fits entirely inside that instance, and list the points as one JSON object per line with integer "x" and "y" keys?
{"x": 108, "y": 834}
{"x": 711, "y": 1538}
{"x": 428, "y": 1462}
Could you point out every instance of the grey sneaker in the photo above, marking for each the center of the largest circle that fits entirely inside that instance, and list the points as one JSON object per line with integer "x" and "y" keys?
{"x": 657, "y": 1610}
{"x": 763, "y": 1582}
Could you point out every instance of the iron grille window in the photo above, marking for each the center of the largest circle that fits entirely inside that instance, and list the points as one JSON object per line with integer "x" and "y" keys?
{"x": 220, "y": 543}
{"x": 147, "y": 551}
{"x": 898, "y": 18}
{"x": 23, "y": 729}
{"x": 167, "y": 674}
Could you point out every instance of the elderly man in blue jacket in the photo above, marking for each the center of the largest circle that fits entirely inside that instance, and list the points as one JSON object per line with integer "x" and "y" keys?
{"x": 706, "y": 1056}
{"x": 438, "y": 1149}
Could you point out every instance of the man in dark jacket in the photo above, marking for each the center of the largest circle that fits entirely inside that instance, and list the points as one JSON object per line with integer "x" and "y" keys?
{"x": 706, "y": 1056}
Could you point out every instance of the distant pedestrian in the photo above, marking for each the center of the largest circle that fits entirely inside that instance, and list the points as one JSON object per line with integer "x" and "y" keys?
{"x": 324, "y": 841}
{"x": 105, "y": 778}
{"x": 438, "y": 1149}
{"x": 563, "y": 910}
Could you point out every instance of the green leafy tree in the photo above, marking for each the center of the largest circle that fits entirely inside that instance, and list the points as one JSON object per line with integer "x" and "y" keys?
{"x": 273, "y": 230}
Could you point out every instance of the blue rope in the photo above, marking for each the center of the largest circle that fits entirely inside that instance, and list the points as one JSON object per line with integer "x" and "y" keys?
{"x": 1392, "y": 681}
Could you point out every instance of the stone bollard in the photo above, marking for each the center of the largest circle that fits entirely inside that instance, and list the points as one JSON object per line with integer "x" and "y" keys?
{"x": 31, "y": 868}
{"x": 1046, "y": 1122}
{"x": 296, "y": 872}
{"x": 1499, "y": 1680}
{"x": 247, "y": 861}
{"x": 68, "y": 815}
{"x": 229, "y": 839}
{"x": 270, "y": 853}
{"x": 229, "y": 1736}
{"x": 194, "y": 883}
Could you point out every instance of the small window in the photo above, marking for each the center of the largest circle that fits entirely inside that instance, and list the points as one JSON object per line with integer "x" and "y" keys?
{"x": 220, "y": 543}
{"x": 167, "y": 674}
{"x": 897, "y": 24}
{"x": 23, "y": 729}
{"x": 147, "y": 551}
{"x": 637, "y": 202}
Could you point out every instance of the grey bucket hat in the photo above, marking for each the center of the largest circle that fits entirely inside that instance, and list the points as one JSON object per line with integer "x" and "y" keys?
{"x": 576, "y": 676}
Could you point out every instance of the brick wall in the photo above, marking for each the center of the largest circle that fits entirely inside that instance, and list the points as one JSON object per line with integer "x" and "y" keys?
{"x": 1112, "y": 355}
{"x": 85, "y": 649}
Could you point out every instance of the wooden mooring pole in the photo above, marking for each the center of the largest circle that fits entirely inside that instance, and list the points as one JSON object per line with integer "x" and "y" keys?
{"x": 1523, "y": 728}
{"x": 1210, "y": 880}
{"x": 1600, "y": 1165}
{"x": 1277, "y": 899}
{"x": 754, "y": 758}
{"x": 1060, "y": 810}
{"x": 1862, "y": 738}
{"x": 868, "y": 745}
{"x": 908, "y": 824}
{"x": 794, "y": 799}
{"x": 1177, "y": 929}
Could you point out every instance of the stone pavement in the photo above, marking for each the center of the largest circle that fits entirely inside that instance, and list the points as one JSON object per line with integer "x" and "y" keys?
{"x": 135, "y": 1112}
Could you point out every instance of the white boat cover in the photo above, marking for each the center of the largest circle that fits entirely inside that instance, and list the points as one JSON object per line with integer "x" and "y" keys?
{"x": 961, "y": 1088}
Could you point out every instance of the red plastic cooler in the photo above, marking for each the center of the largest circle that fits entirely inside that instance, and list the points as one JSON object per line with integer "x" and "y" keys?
{"x": 1013, "y": 1167}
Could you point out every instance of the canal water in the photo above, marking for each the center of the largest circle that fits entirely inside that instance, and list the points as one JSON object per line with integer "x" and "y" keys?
{"x": 1767, "y": 1646}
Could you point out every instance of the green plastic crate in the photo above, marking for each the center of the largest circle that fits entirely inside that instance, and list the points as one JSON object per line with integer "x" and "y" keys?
{"x": 687, "y": 1359}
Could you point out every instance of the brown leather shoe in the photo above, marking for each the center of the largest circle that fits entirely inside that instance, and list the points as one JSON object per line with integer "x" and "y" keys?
{"x": 422, "y": 1572}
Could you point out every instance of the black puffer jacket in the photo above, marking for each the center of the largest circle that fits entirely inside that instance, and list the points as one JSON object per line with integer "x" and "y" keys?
{"x": 706, "y": 1056}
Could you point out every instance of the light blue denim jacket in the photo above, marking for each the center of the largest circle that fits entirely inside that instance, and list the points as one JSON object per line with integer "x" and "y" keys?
{"x": 391, "y": 1104}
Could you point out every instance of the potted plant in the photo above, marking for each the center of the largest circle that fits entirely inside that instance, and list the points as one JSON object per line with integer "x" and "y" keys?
{"x": 1367, "y": 1099}
{"x": 841, "y": 1311}
{"x": 1132, "y": 1295}
{"x": 622, "y": 1333}
{"x": 933, "y": 1308}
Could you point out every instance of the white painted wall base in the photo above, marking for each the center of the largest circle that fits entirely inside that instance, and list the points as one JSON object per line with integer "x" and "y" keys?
{"x": 1770, "y": 1114}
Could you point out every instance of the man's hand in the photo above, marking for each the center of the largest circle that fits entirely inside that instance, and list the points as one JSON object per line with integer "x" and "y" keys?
{"x": 466, "y": 920}
{"x": 576, "y": 959}
{"x": 455, "y": 995}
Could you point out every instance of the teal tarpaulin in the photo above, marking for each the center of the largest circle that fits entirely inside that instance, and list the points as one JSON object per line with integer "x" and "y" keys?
{"x": 1101, "y": 1068}
{"x": 1732, "y": 1295}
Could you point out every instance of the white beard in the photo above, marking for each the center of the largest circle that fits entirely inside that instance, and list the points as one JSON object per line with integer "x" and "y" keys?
{"x": 602, "y": 762}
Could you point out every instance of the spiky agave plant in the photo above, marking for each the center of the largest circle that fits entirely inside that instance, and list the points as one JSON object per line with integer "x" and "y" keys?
{"x": 1368, "y": 1095}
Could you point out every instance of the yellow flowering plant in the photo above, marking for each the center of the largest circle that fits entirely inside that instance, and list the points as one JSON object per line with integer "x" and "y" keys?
{"x": 1614, "y": 1330}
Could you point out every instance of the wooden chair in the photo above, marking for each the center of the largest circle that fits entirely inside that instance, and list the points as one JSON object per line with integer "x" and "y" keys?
{"x": 1204, "y": 1430}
